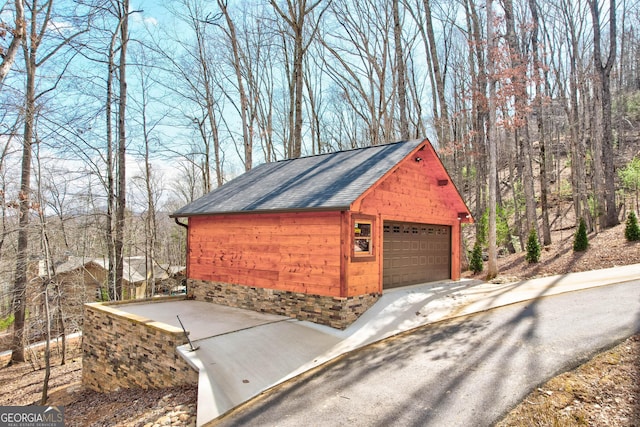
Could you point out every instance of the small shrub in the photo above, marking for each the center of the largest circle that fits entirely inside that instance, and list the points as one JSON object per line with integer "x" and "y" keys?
{"x": 632, "y": 230}
{"x": 6, "y": 322}
{"x": 475, "y": 264}
{"x": 533, "y": 247}
{"x": 581, "y": 241}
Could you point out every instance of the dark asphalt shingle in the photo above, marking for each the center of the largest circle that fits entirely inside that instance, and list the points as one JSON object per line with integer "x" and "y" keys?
{"x": 325, "y": 181}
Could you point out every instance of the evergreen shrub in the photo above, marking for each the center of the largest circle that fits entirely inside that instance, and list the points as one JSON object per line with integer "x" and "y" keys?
{"x": 475, "y": 264}
{"x": 581, "y": 241}
{"x": 631, "y": 229}
{"x": 533, "y": 247}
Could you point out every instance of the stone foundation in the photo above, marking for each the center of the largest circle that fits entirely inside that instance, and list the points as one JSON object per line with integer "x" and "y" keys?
{"x": 123, "y": 350}
{"x": 337, "y": 312}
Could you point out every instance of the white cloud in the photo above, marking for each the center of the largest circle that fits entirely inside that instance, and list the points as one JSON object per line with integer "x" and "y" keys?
{"x": 60, "y": 26}
{"x": 150, "y": 21}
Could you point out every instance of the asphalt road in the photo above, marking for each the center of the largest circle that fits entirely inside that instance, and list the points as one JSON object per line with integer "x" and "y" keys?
{"x": 465, "y": 372}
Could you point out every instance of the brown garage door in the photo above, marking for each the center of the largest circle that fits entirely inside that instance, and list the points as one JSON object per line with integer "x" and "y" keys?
{"x": 415, "y": 253}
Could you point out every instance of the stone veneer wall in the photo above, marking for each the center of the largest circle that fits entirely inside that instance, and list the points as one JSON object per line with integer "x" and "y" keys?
{"x": 337, "y": 312}
{"x": 123, "y": 350}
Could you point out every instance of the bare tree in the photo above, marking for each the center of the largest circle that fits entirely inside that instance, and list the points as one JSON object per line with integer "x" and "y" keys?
{"x": 195, "y": 76}
{"x": 149, "y": 187}
{"x": 38, "y": 27}
{"x": 520, "y": 121}
{"x": 401, "y": 80}
{"x": 604, "y": 174}
{"x": 296, "y": 17}
{"x": 121, "y": 199}
{"x": 442, "y": 118}
{"x": 479, "y": 105}
{"x": 542, "y": 137}
{"x": 492, "y": 267}
{"x": 247, "y": 128}
{"x": 18, "y": 35}
{"x": 359, "y": 64}
{"x": 567, "y": 31}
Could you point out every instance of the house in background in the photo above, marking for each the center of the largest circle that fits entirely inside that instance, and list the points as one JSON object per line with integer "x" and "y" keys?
{"x": 320, "y": 238}
{"x": 81, "y": 280}
{"x": 88, "y": 277}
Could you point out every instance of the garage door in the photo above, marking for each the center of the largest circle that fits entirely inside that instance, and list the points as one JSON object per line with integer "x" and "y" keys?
{"x": 415, "y": 253}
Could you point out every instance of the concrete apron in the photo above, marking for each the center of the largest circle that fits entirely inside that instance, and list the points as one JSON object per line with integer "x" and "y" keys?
{"x": 241, "y": 353}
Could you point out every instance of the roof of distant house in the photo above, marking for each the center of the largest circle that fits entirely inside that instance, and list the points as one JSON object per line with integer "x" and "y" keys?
{"x": 134, "y": 268}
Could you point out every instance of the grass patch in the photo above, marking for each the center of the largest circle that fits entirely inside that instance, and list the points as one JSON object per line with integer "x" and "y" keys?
{"x": 6, "y": 322}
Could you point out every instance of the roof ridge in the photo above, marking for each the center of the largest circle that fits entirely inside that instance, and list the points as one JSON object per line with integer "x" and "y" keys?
{"x": 330, "y": 153}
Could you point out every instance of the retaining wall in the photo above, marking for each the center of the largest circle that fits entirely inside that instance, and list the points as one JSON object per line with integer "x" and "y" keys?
{"x": 123, "y": 350}
{"x": 337, "y": 312}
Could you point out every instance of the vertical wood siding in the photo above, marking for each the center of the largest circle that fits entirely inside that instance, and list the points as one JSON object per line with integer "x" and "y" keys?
{"x": 297, "y": 252}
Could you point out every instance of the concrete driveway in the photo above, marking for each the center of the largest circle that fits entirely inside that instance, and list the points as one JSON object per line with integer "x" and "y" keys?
{"x": 242, "y": 353}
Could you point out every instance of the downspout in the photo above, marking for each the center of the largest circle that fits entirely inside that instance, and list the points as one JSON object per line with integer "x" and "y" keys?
{"x": 181, "y": 223}
{"x": 186, "y": 278}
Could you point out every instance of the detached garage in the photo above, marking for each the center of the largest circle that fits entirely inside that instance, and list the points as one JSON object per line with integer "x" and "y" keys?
{"x": 319, "y": 238}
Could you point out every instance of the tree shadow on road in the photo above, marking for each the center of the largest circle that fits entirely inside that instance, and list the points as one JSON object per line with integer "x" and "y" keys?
{"x": 463, "y": 350}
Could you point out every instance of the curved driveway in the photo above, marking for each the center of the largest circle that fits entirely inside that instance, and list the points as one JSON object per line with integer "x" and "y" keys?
{"x": 464, "y": 372}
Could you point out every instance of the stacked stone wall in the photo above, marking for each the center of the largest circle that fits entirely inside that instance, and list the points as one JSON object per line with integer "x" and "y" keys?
{"x": 337, "y": 312}
{"x": 123, "y": 350}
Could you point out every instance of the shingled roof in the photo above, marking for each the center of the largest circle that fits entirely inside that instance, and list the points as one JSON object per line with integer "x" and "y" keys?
{"x": 327, "y": 181}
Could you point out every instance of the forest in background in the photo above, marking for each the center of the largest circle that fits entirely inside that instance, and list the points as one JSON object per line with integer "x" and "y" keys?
{"x": 114, "y": 113}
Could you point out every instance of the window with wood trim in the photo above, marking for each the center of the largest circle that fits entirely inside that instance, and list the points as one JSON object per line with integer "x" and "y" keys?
{"x": 363, "y": 237}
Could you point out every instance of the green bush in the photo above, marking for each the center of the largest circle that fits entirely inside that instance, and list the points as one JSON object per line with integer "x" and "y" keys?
{"x": 475, "y": 264}
{"x": 631, "y": 229}
{"x": 6, "y": 322}
{"x": 503, "y": 237}
{"x": 533, "y": 247}
{"x": 581, "y": 241}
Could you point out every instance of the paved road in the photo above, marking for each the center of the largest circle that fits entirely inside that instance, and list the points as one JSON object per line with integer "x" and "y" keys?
{"x": 465, "y": 372}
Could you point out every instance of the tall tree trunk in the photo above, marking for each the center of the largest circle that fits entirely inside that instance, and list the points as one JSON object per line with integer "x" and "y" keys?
{"x": 30, "y": 49}
{"x": 111, "y": 188}
{"x": 597, "y": 137}
{"x": 492, "y": 265}
{"x": 9, "y": 55}
{"x": 400, "y": 72}
{"x": 544, "y": 181}
{"x": 22, "y": 254}
{"x": 47, "y": 344}
{"x": 122, "y": 148}
{"x": 521, "y": 121}
{"x": 297, "y": 12}
{"x": 298, "y": 53}
{"x": 150, "y": 222}
{"x": 478, "y": 107}
{"x": 603, "y": 85}
{"x": 578, "y": 151}
{"x": 442, "y": 120}
{"x": 244, "y": 103}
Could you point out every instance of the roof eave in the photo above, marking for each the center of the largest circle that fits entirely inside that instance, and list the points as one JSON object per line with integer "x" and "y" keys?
{"x": 262, "y": 211}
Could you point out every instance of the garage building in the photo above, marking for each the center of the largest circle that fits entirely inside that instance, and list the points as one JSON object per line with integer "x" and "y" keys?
{"x": 320, "y": 238}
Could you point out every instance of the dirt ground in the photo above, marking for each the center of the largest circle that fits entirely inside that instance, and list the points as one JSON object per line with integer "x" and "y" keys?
{"x": 603, "y": 392}
{"x": 22, "y": 385}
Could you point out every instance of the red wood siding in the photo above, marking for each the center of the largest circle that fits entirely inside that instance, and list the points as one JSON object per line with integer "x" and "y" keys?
{"x": 410, "y": 193}
{"x": 297, "y": 252}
